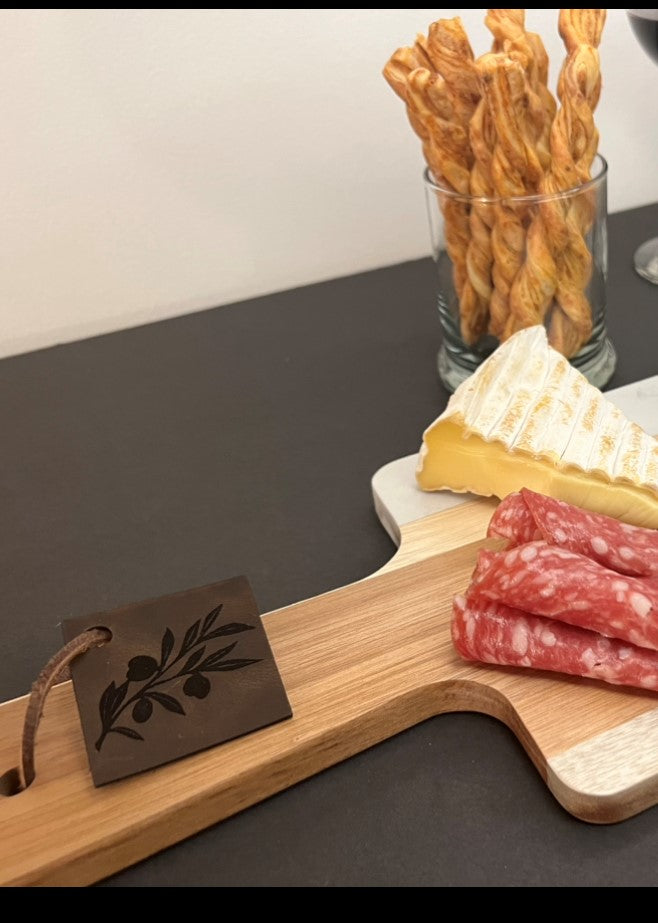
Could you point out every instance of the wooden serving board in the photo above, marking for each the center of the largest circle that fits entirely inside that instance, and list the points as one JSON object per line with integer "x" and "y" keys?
{"x": 360, "y": 664}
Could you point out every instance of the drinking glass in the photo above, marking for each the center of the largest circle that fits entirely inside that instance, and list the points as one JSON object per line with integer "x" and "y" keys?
{"x": 556, "y": 243}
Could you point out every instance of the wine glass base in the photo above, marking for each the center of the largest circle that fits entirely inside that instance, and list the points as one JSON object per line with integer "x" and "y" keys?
{"x": 646, "y": 260}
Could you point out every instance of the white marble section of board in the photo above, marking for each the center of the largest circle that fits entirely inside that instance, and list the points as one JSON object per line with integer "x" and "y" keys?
{"x": 398, "y": 501}
{"x": 618, "y": 767}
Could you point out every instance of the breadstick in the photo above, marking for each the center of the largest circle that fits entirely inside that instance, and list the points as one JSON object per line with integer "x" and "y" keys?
{"x": 449, "y": 141}
{"x": 396, "y": 72}
{"x": 477, "y": 291}
{"x": 451, "y": 54}
{"x": 445, "y": 145}
{"x": 421, "y": 52}
{"x": 558, "y": 262}
{"x": 449, "y": 157}
{"x": 574, "y": 142}
{"x": 515, "y": 171}
{"x": 508, "y": 29}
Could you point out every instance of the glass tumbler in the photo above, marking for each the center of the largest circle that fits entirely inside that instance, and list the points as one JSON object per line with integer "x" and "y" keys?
{"x": 503, "y": 264}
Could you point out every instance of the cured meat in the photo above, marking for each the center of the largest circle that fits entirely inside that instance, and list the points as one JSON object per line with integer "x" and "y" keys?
{"x": 560, "y": 584}
{"x": 494, "y": 633}
{"x": 514, "y": 521}
{"x": 628, "y": 550}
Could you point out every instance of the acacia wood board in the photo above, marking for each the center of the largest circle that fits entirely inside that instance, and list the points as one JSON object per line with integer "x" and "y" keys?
{"x": 360, "y": 664}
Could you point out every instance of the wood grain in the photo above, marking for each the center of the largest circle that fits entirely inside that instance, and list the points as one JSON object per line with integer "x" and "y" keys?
{"x": 360, "y": 664}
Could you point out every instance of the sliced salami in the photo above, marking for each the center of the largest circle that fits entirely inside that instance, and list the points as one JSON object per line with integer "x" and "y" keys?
{"x": 494, "y": 633}
{"x": 629, "y": 550}
{"x": 560, "y": 584}
{"x": 514, "y": 521}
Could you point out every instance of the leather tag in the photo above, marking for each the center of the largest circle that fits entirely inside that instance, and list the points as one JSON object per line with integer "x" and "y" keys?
{"x": 180, "y": 674}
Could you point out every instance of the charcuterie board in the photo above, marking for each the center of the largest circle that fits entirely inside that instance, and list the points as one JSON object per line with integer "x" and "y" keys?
{"x": 360, "y": 664}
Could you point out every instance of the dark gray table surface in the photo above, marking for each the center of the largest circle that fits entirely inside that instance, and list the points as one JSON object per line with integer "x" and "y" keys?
{"x": 243, "y": 440}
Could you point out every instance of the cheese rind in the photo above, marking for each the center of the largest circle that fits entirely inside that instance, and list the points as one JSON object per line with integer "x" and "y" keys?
{"x": 527, "y": 418}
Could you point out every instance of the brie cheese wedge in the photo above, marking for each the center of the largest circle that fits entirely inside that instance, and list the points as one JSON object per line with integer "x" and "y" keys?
{"x": 527, "y": 418}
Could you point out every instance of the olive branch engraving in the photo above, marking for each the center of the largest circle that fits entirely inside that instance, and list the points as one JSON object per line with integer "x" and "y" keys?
{"x": 153, "y": 673}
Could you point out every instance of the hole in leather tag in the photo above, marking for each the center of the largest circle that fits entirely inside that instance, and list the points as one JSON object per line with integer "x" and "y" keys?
{"x": 182, "y": 673}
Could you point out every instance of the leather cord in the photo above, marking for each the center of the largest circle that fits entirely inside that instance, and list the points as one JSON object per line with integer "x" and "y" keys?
{"x": 55, "y": 670}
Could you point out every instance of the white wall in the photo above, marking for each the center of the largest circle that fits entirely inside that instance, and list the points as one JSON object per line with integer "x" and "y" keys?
{"x": 159, "y": 161}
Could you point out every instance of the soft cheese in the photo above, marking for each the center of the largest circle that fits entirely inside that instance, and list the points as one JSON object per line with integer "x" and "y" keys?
{"x": 527, "y": 418}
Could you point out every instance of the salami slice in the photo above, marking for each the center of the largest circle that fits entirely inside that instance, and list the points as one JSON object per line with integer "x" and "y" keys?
{"x": 494, "y": 633}
{"x": 629, "y": 550}
{"x": 553, "y": 582}
{"x": 514, "y": 521}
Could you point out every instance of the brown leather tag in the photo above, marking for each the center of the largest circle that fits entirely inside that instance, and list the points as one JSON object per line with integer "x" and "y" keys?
{"x": 181, "y": 673}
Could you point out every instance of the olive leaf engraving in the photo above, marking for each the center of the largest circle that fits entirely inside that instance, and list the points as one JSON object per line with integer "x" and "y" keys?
{"x": 152, "y": 673}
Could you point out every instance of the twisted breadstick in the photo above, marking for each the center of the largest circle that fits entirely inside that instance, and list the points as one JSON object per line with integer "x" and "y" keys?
{"x": 579, "y": 85}
{"x": 476, "y": 294}
{"x": 397, "y": 69}
{"x": 396, "y": 72}
{"x": 478, "y": 288}
{"x": 515, "y": 171}
{"x": 510, "y": 36}
{"x": 445, "y": 144}
{"x": 581, "y": 27}
{"x": 508, "y": 29}
{"x": 503, "y": 24}
{"x": 421, "y": 52}
{"x": 451, "y": 55}
{"x": 574, "y": 141}
{"x": 448, "y": 140}
{"x": 558, "y": 262}
{"x": 449, "y": 157}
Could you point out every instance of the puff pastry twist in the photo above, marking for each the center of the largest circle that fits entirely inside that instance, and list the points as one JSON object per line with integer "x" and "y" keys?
{"x": 431, "y": 110}
{"x": 510, "y": 36}
{"x": 574, "y": 142}
{"x": 515, "y": 171}
{"x": 451, "y": 55}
